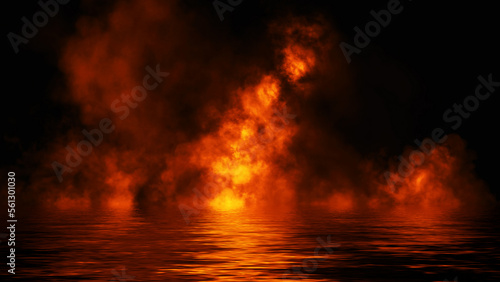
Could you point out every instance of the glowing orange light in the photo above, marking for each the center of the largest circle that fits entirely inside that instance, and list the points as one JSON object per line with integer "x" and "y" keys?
{"x": 227, "y": 200}
{"x": 298, "y": 61}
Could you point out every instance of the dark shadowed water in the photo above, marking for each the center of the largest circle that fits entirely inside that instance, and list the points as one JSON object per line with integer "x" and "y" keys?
{"x": 251, "y": 246}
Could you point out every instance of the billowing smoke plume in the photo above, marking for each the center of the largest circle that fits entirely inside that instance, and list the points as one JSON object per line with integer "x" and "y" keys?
{"x": 171, "y": 108}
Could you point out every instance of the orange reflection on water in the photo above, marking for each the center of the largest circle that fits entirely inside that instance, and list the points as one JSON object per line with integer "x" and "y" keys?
{"x": 242, "y": 246}
{"x": 249, "y": 245}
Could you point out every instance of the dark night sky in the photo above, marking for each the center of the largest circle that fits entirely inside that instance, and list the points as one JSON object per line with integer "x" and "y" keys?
{"x": 433, "y": 52}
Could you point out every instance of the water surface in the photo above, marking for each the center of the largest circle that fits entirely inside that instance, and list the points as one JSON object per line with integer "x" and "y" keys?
{"x": 112, "y": 245}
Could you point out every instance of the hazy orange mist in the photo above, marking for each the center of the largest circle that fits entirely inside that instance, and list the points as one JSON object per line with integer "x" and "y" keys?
{"x": 252, "y": 137}
{"x": 229, "y": 135}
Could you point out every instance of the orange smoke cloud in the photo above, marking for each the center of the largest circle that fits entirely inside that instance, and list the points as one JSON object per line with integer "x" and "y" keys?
{"x": 222, "y": 134}
{"x": 445, "y": 179}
